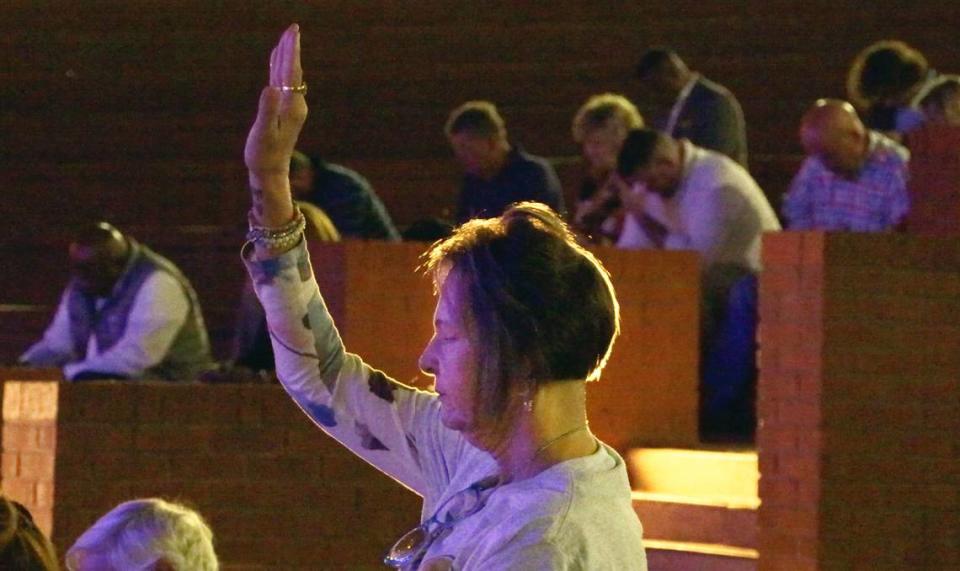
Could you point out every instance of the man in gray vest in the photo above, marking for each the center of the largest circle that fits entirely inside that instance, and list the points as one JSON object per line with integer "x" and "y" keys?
{"x": 127, "y": 313}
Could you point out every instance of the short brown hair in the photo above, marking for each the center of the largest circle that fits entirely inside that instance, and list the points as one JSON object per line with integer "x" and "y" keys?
{"x": 637, "y": 151}
{"x": 479, "y": 118}
{"x": 543, "y": 307}
{"x": 599, "y": 109}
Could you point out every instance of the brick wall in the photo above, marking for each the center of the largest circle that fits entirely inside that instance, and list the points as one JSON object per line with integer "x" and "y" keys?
{"x": 648, "y": 392}
{"x": 383, "y": 75}
{"x": 382, "y": 305}
{"x": 277, "y": 492}
{"x": 789, "y": 440}
{"x": 859, "y": 402}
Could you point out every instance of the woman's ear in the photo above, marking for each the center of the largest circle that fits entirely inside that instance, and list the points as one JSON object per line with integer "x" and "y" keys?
{"x": 527, "y": 391}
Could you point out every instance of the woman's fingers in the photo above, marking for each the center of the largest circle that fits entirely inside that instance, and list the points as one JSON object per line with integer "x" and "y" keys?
{"x": 293, "y": 110}
{"x": 269, "y": 107}
{"x": 288, "y": 57}
{"x": 275, "y": 67}
{"x": 296, "y": 69}
{"x": 281, "y": 113}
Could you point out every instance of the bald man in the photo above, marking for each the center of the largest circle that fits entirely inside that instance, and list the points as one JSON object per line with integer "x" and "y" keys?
{"x": 853, "y": 179}
{"x": 127, "y": 313}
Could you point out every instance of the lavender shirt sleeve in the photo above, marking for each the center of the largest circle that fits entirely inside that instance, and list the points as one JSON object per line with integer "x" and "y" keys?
{"x": 56, "y": 347}
{"x": 392, "y": 426}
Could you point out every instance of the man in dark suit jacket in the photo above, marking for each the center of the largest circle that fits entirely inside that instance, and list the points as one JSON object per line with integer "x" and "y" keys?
{"x": 703, "y": 111}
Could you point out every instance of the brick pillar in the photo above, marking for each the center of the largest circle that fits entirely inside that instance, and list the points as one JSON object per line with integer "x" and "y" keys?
{"x": 29, "y": 446}
{"x": 859, "y": 402}
{"x": 789, "y": 440}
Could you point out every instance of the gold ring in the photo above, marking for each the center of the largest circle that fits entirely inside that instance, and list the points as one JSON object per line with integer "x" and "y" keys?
{"x": 301, "y": 89}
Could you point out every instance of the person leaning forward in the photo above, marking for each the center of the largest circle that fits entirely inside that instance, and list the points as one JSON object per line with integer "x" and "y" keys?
{"x": 127, "y": 313}
{"x": 496, "y": 173}
{"x": 510, "y": 473}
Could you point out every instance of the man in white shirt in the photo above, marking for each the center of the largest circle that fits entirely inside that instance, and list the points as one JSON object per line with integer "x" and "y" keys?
{"x": 681, "y": 197}
{"x": 126, "y": 313}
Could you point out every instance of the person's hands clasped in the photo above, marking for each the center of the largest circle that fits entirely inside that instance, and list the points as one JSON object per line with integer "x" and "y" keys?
{"x": 273, "y": 136}
{"x": 634, "y": 197}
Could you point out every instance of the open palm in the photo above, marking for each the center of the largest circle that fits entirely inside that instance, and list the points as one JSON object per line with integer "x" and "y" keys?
{"x": 281, "y": 113}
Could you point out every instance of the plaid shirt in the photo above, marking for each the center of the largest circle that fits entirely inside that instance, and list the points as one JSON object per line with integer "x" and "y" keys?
{"x": 877, "y": 200}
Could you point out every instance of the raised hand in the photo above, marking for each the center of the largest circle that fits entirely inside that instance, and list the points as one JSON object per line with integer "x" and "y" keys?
{"x": 273, "y": 136}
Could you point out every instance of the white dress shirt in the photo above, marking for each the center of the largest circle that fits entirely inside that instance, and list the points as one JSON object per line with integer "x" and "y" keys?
{"x": 682, "y": 97}
{"x": 158, "y": 312}
{"x": 718, "y": 210}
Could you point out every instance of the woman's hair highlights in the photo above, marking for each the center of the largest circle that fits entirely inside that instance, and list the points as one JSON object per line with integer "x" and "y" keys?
{"x": 543, "y": 307}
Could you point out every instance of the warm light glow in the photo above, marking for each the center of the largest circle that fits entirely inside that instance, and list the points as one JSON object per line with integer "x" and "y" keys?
{"x": 725, "y": 477}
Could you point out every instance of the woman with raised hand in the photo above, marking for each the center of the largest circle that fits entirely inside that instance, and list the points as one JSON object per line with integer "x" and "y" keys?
{"x": 510, "y": 474}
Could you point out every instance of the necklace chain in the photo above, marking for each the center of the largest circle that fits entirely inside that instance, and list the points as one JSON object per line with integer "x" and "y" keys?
{"x": 555, "y": 439}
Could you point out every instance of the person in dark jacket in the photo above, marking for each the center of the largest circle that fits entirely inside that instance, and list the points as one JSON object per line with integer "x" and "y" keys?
{"x": 702, "y": 111}
{"x": 496, "y": 173}
{"x": 344, "y": 195}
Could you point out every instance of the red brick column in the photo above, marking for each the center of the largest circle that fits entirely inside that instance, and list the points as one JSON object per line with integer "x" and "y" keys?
{"x": 29, "y": 446}
{"x": 859, "y": 402}
{"x": 789, "y": 440}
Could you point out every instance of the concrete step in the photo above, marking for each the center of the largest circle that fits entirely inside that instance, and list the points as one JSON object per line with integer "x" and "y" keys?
{"x": 696, "y": 520}
{"x": 687, "y": 556}
{"x": 713, "y": 475}
{"x": 698, "y": 507}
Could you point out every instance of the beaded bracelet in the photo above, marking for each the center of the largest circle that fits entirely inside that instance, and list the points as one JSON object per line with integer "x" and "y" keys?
{"x": 282, "y": 238}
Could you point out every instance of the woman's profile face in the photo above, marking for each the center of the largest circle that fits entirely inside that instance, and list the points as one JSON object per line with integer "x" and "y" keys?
{"x": 451, "y": 357}
{"x": 601, "y": 146}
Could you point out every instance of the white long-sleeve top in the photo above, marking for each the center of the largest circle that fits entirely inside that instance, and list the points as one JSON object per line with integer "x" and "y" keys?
{"x": 575, "y": 515}
{"x": 159, "y": 311}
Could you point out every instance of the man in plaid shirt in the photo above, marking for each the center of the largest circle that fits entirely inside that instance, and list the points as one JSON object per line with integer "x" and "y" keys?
{"x": 853, "y": 179}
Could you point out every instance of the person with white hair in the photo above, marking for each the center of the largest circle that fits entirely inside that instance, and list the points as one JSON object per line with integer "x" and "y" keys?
{"x": 148, "y": 534}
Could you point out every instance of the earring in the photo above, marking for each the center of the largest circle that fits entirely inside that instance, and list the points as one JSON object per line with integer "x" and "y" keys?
{"x": 528, "y": 404}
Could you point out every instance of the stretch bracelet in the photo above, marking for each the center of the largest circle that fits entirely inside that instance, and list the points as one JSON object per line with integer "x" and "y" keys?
{"x": 282, "y": 238}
